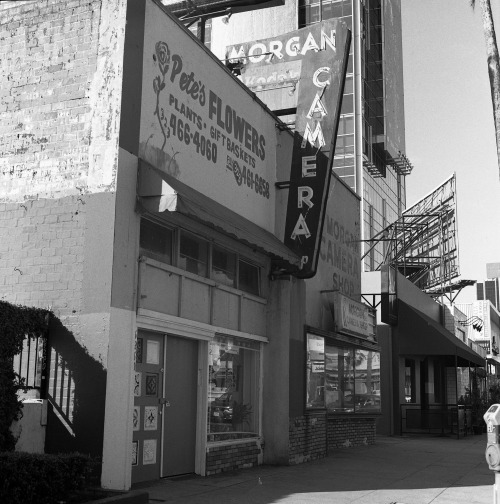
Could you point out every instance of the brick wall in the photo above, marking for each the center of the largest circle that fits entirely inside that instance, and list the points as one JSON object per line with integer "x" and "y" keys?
{"x": 60, "y": 99}
{"x": 307, "y": 438}
{"x": 59, "y": 105}
{"x": 41, "y": 254}
{"x": 348, "y": 432}
{"x": 42, "y": 264}
{"x": 231, "y": 457}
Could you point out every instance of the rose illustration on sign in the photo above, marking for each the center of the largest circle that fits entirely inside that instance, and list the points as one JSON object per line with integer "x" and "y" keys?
{"x": 163, "y": 55}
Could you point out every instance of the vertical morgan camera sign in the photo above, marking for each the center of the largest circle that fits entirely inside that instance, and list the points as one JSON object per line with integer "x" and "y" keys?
{"x": 321, "y": 87}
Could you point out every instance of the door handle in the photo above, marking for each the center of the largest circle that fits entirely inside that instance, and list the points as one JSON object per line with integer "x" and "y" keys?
{"x": 164, "y": 402}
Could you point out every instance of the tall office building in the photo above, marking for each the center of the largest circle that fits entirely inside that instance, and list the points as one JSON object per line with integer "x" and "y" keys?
{"x": 370, "y": 150}
{"x": 490, "y": 289}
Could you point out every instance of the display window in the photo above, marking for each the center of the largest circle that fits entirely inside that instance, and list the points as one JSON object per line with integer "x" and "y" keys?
{"x": 315, "y": 371}
{"x": 342, "y": 378}
{"x": 339, "y": 379}
{"x": 233, "y": 393}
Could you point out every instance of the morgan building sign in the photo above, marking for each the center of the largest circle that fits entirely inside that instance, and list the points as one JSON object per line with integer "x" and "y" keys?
{"x": 314, "y": 61}
{"x": 320, "y": 96}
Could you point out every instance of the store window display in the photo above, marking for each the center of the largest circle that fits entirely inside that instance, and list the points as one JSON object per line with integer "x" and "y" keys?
{"x": 233, "y": 401}
{"x": 342, "y": 378}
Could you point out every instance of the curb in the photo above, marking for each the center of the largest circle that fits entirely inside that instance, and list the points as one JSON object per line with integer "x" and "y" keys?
{"x": 133, "y": 497}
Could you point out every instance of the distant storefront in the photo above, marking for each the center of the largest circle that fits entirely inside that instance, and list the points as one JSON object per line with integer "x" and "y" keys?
{"x": 431, "y": 367}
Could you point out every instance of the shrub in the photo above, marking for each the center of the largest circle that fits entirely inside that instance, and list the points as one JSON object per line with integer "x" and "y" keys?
{"x": 45, "y": 478}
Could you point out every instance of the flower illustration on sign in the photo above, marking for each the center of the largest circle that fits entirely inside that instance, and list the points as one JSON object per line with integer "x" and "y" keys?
{"x": 162, "y": 56}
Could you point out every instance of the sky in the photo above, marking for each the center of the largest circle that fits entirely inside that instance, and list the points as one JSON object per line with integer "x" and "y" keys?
{"x": 449, "y": 122}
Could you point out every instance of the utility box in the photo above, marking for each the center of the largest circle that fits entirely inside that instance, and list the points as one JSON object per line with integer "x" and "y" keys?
{"x": 492, "y": 419}
{"x": 30, "y": 429}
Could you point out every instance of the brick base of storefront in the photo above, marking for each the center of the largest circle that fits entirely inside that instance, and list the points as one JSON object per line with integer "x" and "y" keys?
{"x": 307, "y": 438}
{"x": 224, "y": 458}
{"x": 348, "y": 432}
{"x": 312, "y": 435}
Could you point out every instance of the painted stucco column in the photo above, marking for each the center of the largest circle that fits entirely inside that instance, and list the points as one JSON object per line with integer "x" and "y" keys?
{"x": 117, "y": 445}
{"x": 276, "y": 373}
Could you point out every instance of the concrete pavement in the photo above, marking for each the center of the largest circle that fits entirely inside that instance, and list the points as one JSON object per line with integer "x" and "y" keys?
{"x": 402, "y": 470}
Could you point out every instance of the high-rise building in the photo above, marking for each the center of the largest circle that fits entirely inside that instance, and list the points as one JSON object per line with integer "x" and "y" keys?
{"x": 493, "y": 270}
{"x": 370, "y": 150}
{"x": 490, "y": 289}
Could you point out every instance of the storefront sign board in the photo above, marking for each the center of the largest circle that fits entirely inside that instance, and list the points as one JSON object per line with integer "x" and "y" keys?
{"x": 271, "y": 67}
{"x": 322, "y": 80}
{"x": 304, "y": 69}
{"x": 352, "y": 317}
{"x": 199, "y": 125}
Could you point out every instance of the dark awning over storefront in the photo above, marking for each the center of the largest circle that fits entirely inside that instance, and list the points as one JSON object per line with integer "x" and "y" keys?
{"x": 418, "y": 334}
{"x": 159, "y": 192}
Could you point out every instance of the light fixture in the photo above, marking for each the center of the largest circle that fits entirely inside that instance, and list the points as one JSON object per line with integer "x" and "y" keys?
{"x": 225, "y": 19}
{"x": 473, "y": 321}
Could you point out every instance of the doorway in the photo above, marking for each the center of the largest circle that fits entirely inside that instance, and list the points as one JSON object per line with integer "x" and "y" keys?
{"x": 165, "y": 406}
{"x": 180, "y": 407}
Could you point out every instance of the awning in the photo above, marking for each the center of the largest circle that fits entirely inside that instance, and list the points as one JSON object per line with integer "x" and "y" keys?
{"x": 418, "y": 334}
{"x": 158, "y": 191}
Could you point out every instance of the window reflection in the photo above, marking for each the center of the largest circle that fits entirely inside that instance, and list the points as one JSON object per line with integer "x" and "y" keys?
{"x": 156, "y": 241}
{"x": 339, "y": 379}
{"x": 342, "y": 379}
{"x": 193, "y": 255}
{"x": 233, "y": 365}
{"x": 223, "y": 266}
{"x": 367, "y": 390}
{"x": 315, "y": 371}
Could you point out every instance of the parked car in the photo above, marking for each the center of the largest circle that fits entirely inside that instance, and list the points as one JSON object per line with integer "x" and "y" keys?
{"x": 221, "y": 409}
{"x": 368, "y": 402}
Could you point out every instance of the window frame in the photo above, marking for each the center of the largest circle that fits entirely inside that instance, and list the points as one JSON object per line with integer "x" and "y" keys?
{"x": 340, "y": 341}
{"x": 242, "y": 378}
{"x": 154, "y": 255}
{"x": 208, "y": 250}
{"x": 211, "y": 244}
{"x": 217, "y": 248}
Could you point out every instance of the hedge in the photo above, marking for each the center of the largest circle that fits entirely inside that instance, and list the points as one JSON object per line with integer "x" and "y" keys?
{"x": 28, "y": 478}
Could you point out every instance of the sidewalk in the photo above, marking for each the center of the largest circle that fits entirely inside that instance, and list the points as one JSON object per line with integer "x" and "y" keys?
{"x": 408, "y": 470}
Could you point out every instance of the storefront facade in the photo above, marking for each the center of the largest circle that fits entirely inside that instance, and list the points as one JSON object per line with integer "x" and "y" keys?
{"x": 425, "y": 366}
{"x": 221, "y": 329}
{"x": 341, "y": 366}
{"x": 198, "y": 211}
{"x": 201, "y": 322}
{"x": 181, "y": 343}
